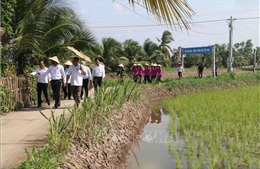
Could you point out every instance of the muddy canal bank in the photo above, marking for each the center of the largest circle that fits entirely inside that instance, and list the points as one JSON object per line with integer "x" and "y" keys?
{"x": 124, "y": 131}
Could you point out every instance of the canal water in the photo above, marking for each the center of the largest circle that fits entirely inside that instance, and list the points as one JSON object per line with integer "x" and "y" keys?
{"x": 152, "y": 152}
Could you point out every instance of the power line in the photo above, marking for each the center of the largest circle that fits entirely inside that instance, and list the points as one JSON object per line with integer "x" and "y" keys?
{"x": 150, "y": 25}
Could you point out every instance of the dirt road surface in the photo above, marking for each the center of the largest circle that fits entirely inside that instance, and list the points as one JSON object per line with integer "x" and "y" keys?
{"x": 23, "y": 129}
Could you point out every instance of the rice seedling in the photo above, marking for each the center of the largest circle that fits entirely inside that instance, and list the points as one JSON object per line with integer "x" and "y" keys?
{"x": 220, "y": 125}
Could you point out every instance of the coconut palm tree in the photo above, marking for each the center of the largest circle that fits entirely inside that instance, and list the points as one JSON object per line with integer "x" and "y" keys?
{"x": 46, "y": 28}
{"x": 150, "y": 47}
{"x": 133, "y": 51}
{"x": 165, "y": 40}
{"x": 172, "y": 12}
{"x": 111, "y": 52}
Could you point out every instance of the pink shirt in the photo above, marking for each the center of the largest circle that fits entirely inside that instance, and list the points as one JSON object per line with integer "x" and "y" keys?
{"x": 154, "y": 71}
{"x": 134, "y": 69}
{"x": 139, "y": 71}
{"x": 159, "y": 71}
{"x": 147, "y": 71}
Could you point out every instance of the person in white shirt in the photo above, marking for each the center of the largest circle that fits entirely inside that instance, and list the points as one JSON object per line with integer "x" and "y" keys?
{"x": 66, "y": 89}
{"x": 86, "y": 79}
{"x": 180, "y": 70}
{"x": 57, "y": 75}
{"x": 42, "y": 84}
{"x": 76, "y": 73}
{"x": 98, "y": 74}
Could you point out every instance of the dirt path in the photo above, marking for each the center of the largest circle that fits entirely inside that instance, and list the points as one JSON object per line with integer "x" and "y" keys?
{"x": 23, "y": 129}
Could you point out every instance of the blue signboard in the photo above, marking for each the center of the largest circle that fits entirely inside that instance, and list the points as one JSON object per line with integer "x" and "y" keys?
{"x": 197, "y": 50}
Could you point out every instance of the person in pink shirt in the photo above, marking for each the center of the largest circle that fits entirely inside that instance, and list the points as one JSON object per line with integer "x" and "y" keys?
{"x": 153, "y": 72}
{"x": 139, "y": 73}
{"x": 147, "y": 73}
{"x": 134, "y": 70}
{"x": 159, "y": 73}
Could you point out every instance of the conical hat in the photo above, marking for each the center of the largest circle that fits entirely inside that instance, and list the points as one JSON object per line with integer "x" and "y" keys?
{"x": 121, "y": 65}
{"x": 55, "y": 59}
{"x": 146, "y": 64}
{"x": 68, "y": 63}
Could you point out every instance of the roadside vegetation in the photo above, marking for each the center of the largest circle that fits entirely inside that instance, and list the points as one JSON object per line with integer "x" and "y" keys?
{"x": 85, "y": 123}
{"x": 216, "y": 128}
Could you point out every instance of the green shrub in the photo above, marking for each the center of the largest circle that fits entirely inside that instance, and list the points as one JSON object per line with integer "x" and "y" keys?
{"x": 7, "y": 102}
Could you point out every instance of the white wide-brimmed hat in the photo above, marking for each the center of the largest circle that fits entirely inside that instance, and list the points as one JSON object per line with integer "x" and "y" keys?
{"x": 68, "y": 63}
{"x": 159, "y": 65}
{"x": 121, "y": 65}
{"x": 83, "y": 62}
{"x": 55, "y": 59}
{"x": 146, "y": 64}
{"x": 135, "y": 64}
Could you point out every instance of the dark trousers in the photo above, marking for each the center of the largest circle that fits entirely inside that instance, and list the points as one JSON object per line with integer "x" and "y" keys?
{"x": 42, "y": 87}
{"x": 97, "y": 82}
{"x": 55, "y": 86}
{"x": 85, "y": 88}
{"x": 147, "y": 79}
{"x": 159, "y": 78}
{"x": 76, "y": 90}
{"x": 180, "y": 74}
{"x": 200, "y": 74}
{"x": 152, "y": 78}
{"x": 66, "y": 91}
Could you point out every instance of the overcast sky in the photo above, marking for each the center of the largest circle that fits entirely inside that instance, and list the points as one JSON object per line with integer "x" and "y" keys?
{"x": 108, "y": 18}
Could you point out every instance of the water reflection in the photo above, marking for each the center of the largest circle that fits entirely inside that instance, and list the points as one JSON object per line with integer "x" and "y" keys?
{"x": 156, "y": 117}
{"x": 153, "y": 146}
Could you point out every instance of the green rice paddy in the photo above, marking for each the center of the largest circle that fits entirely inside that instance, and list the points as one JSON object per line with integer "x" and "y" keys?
{"x": 216, "y": 129}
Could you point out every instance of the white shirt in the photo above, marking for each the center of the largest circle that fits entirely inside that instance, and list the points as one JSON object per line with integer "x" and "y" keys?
{"x": 56, "y": 72}
{"x": 98, "y": 71}
{"x": 66, "y": 73}
{"x": 42, "y": 78}
{"x": 88, "y": 73}
{"x": 180, "y": 69}
{"x": 76, "y": 75}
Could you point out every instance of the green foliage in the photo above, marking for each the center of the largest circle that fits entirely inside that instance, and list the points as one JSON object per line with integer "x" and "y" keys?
{"x": 41, "y": 159}
{"x": 7, "y": 102}
{"x": 7, "y": 15}
{"x": 89, "y": 120}
{"x": 45, "y": 28}
{"x": 219, "y": 126}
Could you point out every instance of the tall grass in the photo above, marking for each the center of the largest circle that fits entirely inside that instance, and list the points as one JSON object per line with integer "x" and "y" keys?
{"x": 219, "y": 126}
{"x": 90, "y": 119}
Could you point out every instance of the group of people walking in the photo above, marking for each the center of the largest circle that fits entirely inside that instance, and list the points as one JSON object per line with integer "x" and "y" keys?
{"x": 150, "y": 73}
{"x": 73, "y": 78}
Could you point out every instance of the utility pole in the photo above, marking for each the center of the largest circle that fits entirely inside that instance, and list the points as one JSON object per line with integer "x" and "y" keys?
{"x": 180, "y": 54}
{"x": 254, "y": 60}
{"x": 230, "y": 59}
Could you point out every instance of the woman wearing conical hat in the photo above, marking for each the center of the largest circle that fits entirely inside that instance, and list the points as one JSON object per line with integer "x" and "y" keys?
{"x": 120, "y": 72}
{"x": 139, "y": 73}
{"x": 159, "y": 73}
{"x": 153, "y": 72}
{"x": 134, "y": 70}
{"x": 147, "y": 73}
